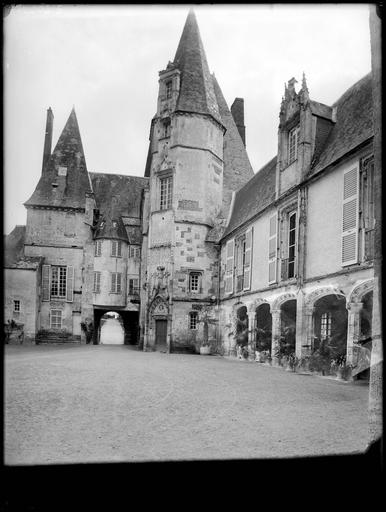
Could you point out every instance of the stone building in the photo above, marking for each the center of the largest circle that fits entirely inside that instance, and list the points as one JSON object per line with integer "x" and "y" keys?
{"x": 288, "y": 249}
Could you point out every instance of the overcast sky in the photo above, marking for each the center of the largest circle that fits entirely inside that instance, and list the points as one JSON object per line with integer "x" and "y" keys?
{"x": 105, "y": 60}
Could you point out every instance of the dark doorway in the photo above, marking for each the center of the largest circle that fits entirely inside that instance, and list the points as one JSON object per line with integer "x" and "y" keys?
{"x": 160, "y": 334}
{"x": 263, "y": 326}
{"x": 330, "y": 325}
{"x": 130, "y": 325}
{"x": 288, "y": 327}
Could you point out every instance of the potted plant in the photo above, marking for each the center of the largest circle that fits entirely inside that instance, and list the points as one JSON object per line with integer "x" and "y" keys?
{"x": 88, "y": 329}
{"x": 205, "y": 318}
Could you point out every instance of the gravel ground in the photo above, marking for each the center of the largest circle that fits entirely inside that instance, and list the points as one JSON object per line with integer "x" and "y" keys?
{"x": 67, "y": 404}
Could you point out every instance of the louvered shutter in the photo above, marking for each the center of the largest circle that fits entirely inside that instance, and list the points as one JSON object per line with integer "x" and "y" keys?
{"x": 113, "y": 282}
{"x": 248, "y": 259}
{"x": 350, "y": 217}
{"x": 119, "y": 276}
{"x": 70, "y": 284}
{"x": 272, "y": 250}
{"x": 230, "y": 249}
{"x": 46, "y": 282}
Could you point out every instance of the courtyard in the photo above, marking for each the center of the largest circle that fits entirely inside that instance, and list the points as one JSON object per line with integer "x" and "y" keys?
{"x": 104, "y": 403}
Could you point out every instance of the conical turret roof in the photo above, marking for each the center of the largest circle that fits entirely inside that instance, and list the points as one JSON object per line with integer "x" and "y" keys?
{"x": 111, "y": 226}
{"x": 65, "y": 180}
{"x": 237, "y": 167}
{"x": 196, "y": 87}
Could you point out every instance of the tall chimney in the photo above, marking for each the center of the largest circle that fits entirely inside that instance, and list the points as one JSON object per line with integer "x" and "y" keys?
{"x": 48, "y": 138}
{"x": 237, "y": 110}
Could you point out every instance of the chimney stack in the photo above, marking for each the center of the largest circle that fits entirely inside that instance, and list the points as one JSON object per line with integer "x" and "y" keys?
{"x": 237, "y": 110}
{"x": 48, "y": 138}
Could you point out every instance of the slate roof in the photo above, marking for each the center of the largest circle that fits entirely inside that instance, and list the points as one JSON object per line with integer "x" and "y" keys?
{"x": 110, "y": 225}
{"x": 321, "y": 110}
{"x": 237, "y": 167}
{"x": 196, "y": 87}
{"x": 14, "y": 244}
{"x": 126, "y": 191}
{"x": 70, "y": 190}
{"x": 254, "y": 196}
{"x": 354, "y": 124}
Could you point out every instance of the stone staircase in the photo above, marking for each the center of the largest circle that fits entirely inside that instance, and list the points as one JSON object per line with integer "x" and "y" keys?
{"x": 56, "y": 337}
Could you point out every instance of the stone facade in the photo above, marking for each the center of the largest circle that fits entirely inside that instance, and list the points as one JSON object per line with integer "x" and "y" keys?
{"x": 288, "y": 249}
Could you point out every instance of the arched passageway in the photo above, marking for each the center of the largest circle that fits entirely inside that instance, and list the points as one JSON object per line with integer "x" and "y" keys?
{"x": 128, "y": 321}
{"x": 263, "y": 328}
{"x": 330, "y": 326}
{"x": 241, "y": 334}
{"x": 111, "y": 329}
{"x": 287, "y": 328}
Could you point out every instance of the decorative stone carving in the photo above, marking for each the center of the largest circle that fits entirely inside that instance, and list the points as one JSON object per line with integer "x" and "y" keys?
{"x": 256, "y": 303}
{"x": 358, "y": 292}
{"x": 281, "y": 299}
{"x": 317, "y": 294}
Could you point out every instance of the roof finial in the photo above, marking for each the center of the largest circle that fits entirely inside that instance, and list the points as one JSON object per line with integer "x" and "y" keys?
{"x": 304, "y": 83}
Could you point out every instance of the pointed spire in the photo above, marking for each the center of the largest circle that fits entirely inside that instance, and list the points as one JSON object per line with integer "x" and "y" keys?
{"x": 64, "y": 181}
{"x": 196, "y": 90}
{"x": 304, "y": 83}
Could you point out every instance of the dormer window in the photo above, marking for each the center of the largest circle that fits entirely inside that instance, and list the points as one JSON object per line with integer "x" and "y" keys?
{"x": 168, "y": 86}
{"x": 293, "y": 136}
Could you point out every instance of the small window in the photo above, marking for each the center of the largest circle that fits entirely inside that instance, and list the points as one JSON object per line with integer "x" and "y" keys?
{"x": 325, "y": 326}
{"x": 169, "y": 87}
{"x": 116, "y": 248}
{"x": 98, "y": 248}
{"x": 56, "y": 318}
{"x": 194, "y": 282}
{"x": 291, "y": 244}
{"x": 97, "y": 282}
{"x": 166, "y": 128}
{"x": 134, "y": 251}
{"x": 58, "y": 281}
{"x": 16, "y": 306}
{"x": 166, "y": 193}
{"x": 116, "y": 281}
{"x": 133, "y": 286}
{"x": 193, "y": 320}
{"x": 293, "y": 144}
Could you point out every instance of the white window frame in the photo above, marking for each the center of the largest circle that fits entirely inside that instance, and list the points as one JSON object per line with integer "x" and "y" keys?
{"x": 16, "y": 306}
{"x": 116, "y": 284}
{"x": 196, "y": 276}
{"x": 293, "y": 138}
{"x": 272, "y": 247}
{"x": 58, "y": 282}
{"x": 325, "y": 330}
{"x": 294, "y": 245}
{"x": 97, "y": 281}
{"x": 54, "y": 315}
{"x": 229, "y": 266}
{"x": 133, "y": 285}
{"x": 98, "y": 248}
{"x": 165, "y": 192}
{"x": 116, "y": 248}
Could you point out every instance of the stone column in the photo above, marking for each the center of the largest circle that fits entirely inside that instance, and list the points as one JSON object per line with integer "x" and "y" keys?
{"x": 353, "y": 329}
{"x": 232, "y": 338}
{"x": 301, "y": 326}
{"x": 276, "y": 333}
{"x": 309, "y": 330}
{"x": 251, "y": 337}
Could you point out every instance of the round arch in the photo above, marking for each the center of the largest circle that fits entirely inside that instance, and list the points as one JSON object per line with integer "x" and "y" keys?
{"x": 281, "y": 299}
{"x": 256, "y": 303}
{"x": 317, "y": 294}
{"x": 358, "y": 292}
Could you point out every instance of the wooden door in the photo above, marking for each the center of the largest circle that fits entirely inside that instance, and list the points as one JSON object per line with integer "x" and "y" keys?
{"x": 160, "y": 334}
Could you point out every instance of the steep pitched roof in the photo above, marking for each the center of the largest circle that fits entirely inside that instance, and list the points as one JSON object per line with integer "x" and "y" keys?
{"x": 64, "y": 180}
{"x": 14, "y": 244}
{"x": 254, "y": 196}
{"x": 196, "y": 87}
{"x": 237, "y": 167}
{"x": 354, "y": 124}
{"x": 110, "y": 225}
{"x": 126, "y": 191}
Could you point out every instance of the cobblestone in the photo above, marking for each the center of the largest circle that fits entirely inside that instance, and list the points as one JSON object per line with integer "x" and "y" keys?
{"x": 89, "y": 403}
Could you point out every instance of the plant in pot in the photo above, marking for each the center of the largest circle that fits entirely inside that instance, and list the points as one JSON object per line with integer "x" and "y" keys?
{"x": 88, "y": 329}
{"x": 262, "y": 345}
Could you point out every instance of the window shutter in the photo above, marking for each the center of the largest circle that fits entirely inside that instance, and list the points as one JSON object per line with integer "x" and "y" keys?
{"x": 248, "y": 259}
{"x": 113, "y": 281}
{"x": 350, "y": 217}
{"x": 70, "y": 284}
{"x": 46, "y": 282}
{"x": 230, "y": 249}
{"x": 119, "y": 252}
{"x": 272, "y": 251}
{"x": 119, "y": 283}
